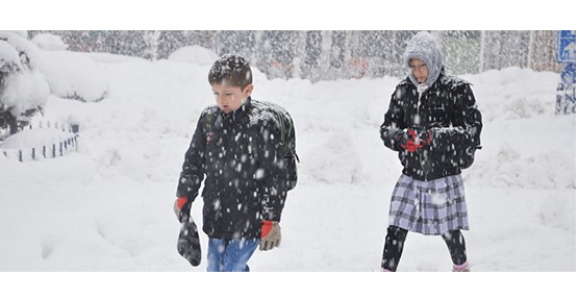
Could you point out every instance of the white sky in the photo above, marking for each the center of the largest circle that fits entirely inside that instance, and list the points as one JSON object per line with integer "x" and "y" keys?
{"x": 238, "y": 15}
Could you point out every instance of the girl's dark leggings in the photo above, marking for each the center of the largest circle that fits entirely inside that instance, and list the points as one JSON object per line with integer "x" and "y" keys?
{"x": 396, "y": 237}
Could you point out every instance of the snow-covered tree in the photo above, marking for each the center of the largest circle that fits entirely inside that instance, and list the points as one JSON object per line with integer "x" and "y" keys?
{"x": 326, "y": 55}
{"x": 23, "y": 89}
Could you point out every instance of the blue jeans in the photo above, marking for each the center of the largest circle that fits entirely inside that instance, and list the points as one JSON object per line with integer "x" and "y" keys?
{"x": 230, "y": 255}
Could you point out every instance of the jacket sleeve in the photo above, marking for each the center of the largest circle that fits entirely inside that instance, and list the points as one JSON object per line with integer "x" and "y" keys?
{"x": 393, "y": 123}
{"x": 192, "y": 173}
{"x": 466, "y": 123}
{"x": 272, "y": 176}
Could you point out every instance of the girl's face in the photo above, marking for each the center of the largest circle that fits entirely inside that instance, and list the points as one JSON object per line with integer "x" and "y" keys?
{"x": 419, "y": 69}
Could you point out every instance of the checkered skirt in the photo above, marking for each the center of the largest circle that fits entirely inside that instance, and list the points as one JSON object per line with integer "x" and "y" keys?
{"x": 429, "y": 207}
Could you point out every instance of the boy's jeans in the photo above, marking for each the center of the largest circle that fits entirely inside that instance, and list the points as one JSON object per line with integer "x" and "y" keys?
{"x": 230, "y": 255}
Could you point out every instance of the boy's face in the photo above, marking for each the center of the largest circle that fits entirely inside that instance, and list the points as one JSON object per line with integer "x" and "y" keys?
{"x": 230, "y": 98}
{"x": 419, "y": 69}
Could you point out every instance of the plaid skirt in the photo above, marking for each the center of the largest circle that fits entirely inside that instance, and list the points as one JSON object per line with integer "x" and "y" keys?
{"x": 429, "y": 207}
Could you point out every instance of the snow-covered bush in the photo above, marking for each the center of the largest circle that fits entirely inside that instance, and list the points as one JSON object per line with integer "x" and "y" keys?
{"x": 47, "y": 41}
{"x": 23, "y": 89}
{"x": 73, "y": 75}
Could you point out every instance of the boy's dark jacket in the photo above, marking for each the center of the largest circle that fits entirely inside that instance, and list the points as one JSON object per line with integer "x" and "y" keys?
{"x": 248, "y": 158}
{"x": 449, "y": 110}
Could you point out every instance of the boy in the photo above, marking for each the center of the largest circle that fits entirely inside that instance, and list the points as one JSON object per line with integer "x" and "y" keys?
{"x": 246, "y": 150}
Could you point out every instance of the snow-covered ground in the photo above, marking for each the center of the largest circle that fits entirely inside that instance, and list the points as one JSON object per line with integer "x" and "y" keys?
{"x": 108, "y": 206}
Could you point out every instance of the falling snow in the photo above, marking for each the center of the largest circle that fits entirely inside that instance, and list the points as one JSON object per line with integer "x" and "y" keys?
{"x": 93, "y": 215}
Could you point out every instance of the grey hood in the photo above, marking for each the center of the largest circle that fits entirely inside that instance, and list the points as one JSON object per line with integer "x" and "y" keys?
{"x": 425, "y": 47}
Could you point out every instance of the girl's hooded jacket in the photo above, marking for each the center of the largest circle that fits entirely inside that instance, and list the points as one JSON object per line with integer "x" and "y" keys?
{"x": 443, "y": 105}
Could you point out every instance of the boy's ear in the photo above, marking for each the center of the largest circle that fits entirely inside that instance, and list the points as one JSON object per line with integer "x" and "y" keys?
{"x": 248, "y": 90}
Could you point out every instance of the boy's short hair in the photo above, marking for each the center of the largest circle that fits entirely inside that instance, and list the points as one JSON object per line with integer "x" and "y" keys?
{"x": 231, "y": 70}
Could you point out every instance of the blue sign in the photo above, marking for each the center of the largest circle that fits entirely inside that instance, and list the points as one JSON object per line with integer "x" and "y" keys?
{"x": 567, "y": 46}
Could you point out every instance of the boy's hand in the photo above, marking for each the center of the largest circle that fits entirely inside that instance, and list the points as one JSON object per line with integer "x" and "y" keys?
{"x": 270, "y": 235}
{"x": 178, "y": 207}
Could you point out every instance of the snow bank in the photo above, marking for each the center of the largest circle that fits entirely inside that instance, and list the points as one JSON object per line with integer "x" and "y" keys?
{"x": 72, "y": 75}
{"x": 50, "y": 42}
{"x": 195, "y": 55}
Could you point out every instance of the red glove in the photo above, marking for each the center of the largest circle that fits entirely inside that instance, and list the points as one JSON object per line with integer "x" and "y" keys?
{"x": 179, "y": 203}
{"x": 270, "y": 235}
{"x": 410, "y": 144}
{"x": 412, "y": 140}
{"x": 266, "y": 227}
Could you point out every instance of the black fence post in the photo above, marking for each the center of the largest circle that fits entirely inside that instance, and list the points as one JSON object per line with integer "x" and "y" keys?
{"x": 63, "y": 145}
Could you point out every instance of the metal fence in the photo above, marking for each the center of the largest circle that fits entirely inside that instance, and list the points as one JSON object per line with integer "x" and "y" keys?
{"x": 67, "y": 143}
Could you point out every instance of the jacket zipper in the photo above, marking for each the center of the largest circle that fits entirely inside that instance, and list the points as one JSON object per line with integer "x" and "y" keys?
{"x": 421, "y": 158}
